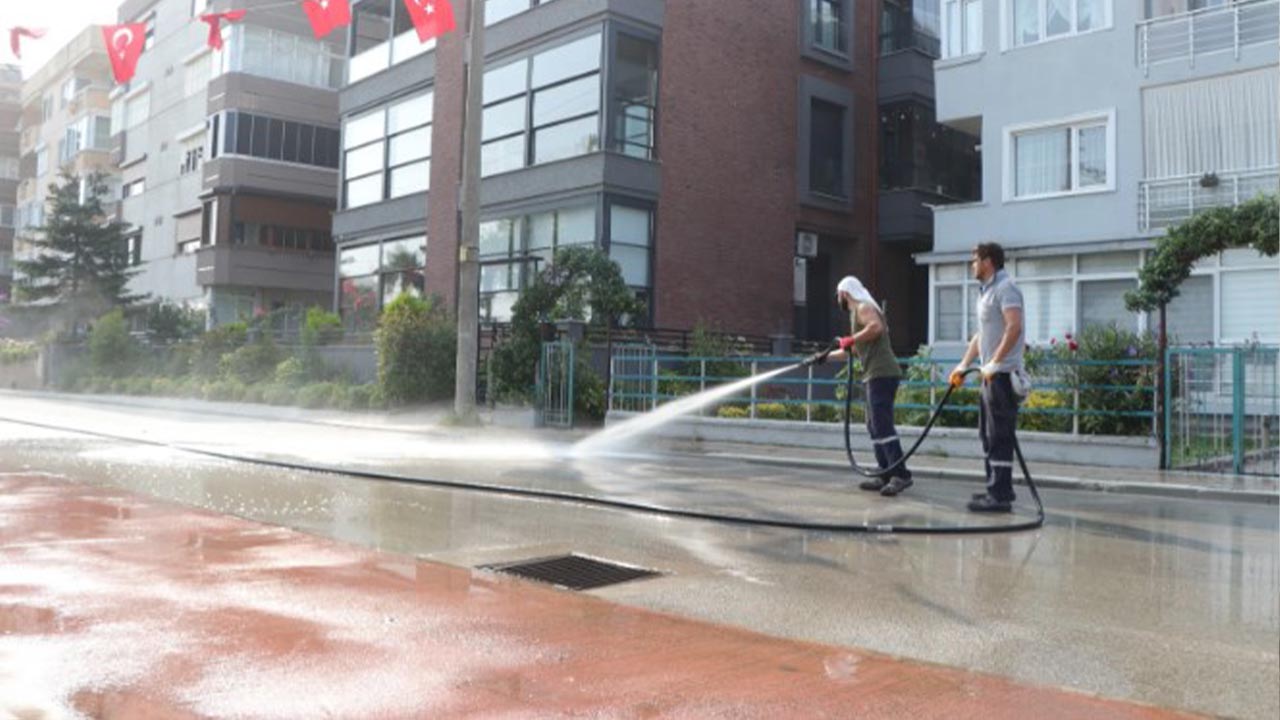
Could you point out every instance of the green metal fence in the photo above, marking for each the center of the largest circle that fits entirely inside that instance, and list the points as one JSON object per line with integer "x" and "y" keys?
{"x": 555, "y": 384}
{"x": 1222, "y": 409}
{"x": 1078, "y": 397}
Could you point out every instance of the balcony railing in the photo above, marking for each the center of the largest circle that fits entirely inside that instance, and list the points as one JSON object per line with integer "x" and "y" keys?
{"x": 1227, "y": 28}
{"x": 1168, "y": 201}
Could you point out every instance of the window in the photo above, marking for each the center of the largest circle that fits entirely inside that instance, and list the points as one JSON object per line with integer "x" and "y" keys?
{"x": 1034, "y": 21}
{"x": 42, "y": 160}
{"x": 630, "y": 237}
{"x": 828, "y": 24}
{"x": 239, "y": 133}
{"x": 387, "y": 152}
{"x": 543, "y": 108}
{"x": 6, "y": 216}
{"x": 275, "y": 54}
{"x": 9, "y": 168}
{"x": 372, "y": 275}
{"x": 46, "y": 108}
{"x": 827, "y": 172}
{"x": 1162, "y": 8}
{"x": 71, "y": 87}
{"x": 961, "y": 27}
{"x": 137, "y": 109}
{"x": 382, "y": 36}
{"x": 918, "y": 153}
{"x": 192, "y": 154}
{"x": 634, "y": 97}
{"x": 133, "y": 249}
{"x": 150, "y": 22}
{"x": 1060, "y": 159}
{"x": 910, "y": 24}
{"x": 134, "y": 188}
{"x": 196, "y": 77}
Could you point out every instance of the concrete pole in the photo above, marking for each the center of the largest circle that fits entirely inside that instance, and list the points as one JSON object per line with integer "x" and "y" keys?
{"x": 464, "y": 398}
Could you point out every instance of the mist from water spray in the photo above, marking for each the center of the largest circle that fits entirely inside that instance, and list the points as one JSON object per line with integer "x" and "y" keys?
{"x": 613, "y": 437}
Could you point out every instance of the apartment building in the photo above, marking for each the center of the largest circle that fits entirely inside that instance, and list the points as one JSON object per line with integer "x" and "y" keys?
{"x": 64, "y": 126}
{"x": 10, "y": 156}
{"x": 719, "y": 152}
{"x": 1102, "y": 123}
{"x": 229, "y": 158}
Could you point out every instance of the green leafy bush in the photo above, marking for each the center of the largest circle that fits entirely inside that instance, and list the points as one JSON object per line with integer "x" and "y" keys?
{"x": 13, "y": 351}
{"x": 255, "y": 362}
{"x": 111, "y": 350}
{"x": 417, "y": 351}
{"x": 275, "y": 394}
{"x": 291, "y": 372}
{"x": 732, "y": 412}
{"x": 317, "y": 395}
{"x": 219, "y": 341}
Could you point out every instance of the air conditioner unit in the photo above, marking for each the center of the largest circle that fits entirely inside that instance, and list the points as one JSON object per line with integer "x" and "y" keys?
{"x": 807, "y": 244}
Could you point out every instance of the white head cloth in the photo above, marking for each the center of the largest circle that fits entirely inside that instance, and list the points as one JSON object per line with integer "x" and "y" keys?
{"x": 857, "y": 291}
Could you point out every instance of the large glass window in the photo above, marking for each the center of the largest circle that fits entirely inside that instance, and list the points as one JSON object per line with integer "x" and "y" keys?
{"x": 544, "y": 108}
{"x": 388, "y": 151}
{"x": 1061, "y": 159}
{"x": 910, "y": 24}
{"x": 382, "y": 35}
{"x": 1036, "y": 20}
{"x": 962, "y": 27}
{"x": 256, "y": 50}
{"x": 828, "y": 20}
{"x": 826, "y": 148}
{"x": 634, "y": 96}
{"x": 372, "y": 275}
{"x": 240, "y": 133}
{"x": 918, "y": 153}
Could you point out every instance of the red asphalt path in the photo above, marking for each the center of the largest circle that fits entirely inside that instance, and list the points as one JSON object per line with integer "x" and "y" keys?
{"x": 113, "y": 605}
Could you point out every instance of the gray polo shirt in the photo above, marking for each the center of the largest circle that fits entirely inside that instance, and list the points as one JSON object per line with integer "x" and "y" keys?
{"x": 994, "y": 298}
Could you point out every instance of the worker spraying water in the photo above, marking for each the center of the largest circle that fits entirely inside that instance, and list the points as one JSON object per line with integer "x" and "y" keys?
{"x": 869, "y": 340}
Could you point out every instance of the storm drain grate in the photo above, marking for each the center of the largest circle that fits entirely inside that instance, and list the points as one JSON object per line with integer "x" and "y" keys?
{"x": 574, "y": 572}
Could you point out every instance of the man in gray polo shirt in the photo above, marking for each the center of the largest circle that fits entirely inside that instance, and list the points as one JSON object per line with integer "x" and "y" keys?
{"x": 999, "y": 343}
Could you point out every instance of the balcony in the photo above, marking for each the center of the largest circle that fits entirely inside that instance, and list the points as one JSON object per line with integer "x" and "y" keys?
{"x": 1168, "y": 201}
{"x": 1224, "y": 29}
{"x": 251, "y": 266}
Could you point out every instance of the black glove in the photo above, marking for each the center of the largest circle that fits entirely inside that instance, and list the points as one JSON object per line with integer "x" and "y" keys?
{"x": 816, "y": 358}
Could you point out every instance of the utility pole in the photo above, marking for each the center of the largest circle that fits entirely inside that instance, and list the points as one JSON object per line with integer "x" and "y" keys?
{"x": 464, "y": 395}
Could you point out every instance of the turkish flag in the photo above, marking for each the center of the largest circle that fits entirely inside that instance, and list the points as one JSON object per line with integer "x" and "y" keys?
{"x": 15, "y": 38}
{"x": 215, "y": 25}
{"x": 327, "y": 15}
{"x": 431, "y": 18}
{"x": 124, "y": 47}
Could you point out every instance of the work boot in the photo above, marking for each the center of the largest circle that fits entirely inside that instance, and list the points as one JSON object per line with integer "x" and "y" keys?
{"x": 874, "y": 484}
{"x": 896, "y": 486}
{"x": 988, "y": 504}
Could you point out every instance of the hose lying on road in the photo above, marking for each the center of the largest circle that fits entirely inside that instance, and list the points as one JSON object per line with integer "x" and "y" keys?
{"x": 587, "y": 500}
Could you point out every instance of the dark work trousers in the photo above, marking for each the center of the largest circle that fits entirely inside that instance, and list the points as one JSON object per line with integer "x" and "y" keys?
{"x": 884, "y": 436}
{"x": 996, "y": 422}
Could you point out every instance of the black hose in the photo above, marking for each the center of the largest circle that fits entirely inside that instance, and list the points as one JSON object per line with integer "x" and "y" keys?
{"x": 589, "y": 500}
{"x": 924, "y": 432}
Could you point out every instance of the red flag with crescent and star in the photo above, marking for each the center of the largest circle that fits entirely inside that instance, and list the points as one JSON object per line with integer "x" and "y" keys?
{"x": 431, "y": 18}
{"x": 124, "y": 47}
{"x": 15, "y": 38}
{"x": 327, "y": 15}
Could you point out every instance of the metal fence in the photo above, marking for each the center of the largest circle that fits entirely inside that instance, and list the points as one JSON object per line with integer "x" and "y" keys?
{"x": 1226, "y": 28}
{"x": 1116, "y": 397}
{"x": 1222, "y": 409}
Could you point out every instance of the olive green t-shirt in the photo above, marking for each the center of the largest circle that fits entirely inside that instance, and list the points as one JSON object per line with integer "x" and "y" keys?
{"x": 877, "y": 358}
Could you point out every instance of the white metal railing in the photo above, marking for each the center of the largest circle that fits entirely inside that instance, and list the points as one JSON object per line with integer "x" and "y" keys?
{"x": 1226, "y": 28}
{"x": 1167, "y": 201}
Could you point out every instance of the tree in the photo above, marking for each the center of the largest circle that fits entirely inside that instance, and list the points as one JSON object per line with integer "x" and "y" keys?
{"x": 169, "y": 323}
{"x": 1255, "y": 224}
{"x": 81, "y": 256}
{"x": 581, "y": 283}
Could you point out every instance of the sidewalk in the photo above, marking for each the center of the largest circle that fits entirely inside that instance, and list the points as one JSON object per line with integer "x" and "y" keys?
{"x": 116, "y": 605}
{"x": 516, "y": 423}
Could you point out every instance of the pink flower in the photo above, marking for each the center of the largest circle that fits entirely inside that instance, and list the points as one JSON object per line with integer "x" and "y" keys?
{"x": 1068, "y": 336}
{"x": 1073, "y": 345}
{"x": 1053, "y": 341}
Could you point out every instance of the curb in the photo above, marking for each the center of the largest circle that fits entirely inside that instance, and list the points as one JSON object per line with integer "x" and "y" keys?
{"x": 1056, "y": 482}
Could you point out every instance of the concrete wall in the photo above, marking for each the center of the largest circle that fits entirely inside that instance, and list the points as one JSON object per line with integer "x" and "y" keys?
{"x": 1117, "y": 452}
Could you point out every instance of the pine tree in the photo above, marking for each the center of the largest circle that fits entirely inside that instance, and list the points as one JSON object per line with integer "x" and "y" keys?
{"x": 81, "y": 258}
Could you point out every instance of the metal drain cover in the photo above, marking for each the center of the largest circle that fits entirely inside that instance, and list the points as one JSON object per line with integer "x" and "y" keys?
{"x": 573, "y": 572}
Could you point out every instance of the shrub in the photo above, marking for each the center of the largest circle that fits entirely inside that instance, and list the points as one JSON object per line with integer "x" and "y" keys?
{"x": 138, "y": 386}
{"x": 164, "y": 387}
{"x": 771, "y": 411}
{"x": 219, "y": 341}
{"x": 732, "y": 411}
{"x": 588, "y": 390}
{"x": 13, "y": 351}
{"x": 321, "y": 328}
{"x": 274, "y": 394}
{"x": 225, "y": 390}
{"x": 111, "y": 350}
{"x": 170, "y": 323}
{"x": 253, "y": 393}
{"x": 1045, "y": 422}
{"x": 317, "y": 395}
{"x": 361, "y": 397}
{"x": 291, "y": 372}
{"x": 417, "y": 351}
{"x": 251, "y": 363}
